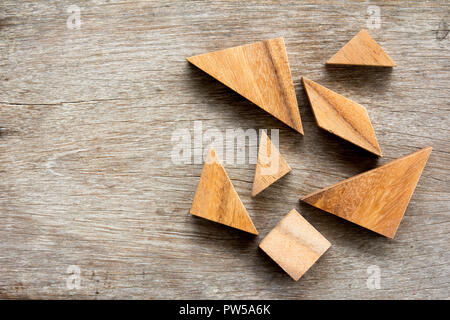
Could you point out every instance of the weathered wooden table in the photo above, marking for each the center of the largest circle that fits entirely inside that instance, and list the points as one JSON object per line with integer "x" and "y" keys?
{"x": 92, "y": 205}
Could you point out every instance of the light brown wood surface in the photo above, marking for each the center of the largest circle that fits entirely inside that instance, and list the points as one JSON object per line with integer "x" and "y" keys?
{"x": 341, "y": 116}
{"x": 294, "y": 244}
{"x": 376, "y": 199}
{"x": 217, "y": 200}
{"x": 259, "y": 72}
{"x": 270, "y": 166}
{"x": 362, "y": 50}
{"x": 86, "y": 176}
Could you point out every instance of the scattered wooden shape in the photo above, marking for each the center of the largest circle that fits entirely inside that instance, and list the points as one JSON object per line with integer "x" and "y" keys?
{"x": 270, "y": 166}
{"x": 259, "y": 72}
{"x": 341, "y": 116}
{"x": 217, "y": 200}
{"x": 362, "y": 50}
{"x": 376, "y": 199}
{"x": 294, "y": 244}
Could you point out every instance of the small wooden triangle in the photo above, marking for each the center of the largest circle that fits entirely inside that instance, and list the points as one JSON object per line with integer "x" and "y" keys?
{"x": 260, "y": 72}
{"x": 376, "y": 199}
{"x": 270, "y": 166}
{"x": 362, "y": 50}
{"x": 294, "y": 244}
{"x": 217, "y": 200}
{"x": 341, "y": 116}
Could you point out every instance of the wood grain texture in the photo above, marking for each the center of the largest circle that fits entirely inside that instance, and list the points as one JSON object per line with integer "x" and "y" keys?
{"x": 216, "y": 199}
{"x": 376, "y": 199}
{"x": 362, "y": 50}
{"x": 294, "y": 244}
{"x": 270, "y": 166}
{"x": 341, "y": 116}
{"x": 259, "y": 72}
{"x": 86, "y": 177}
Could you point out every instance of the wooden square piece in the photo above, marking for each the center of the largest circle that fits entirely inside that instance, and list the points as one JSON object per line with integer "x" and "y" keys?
{"x": 294, "y": 244}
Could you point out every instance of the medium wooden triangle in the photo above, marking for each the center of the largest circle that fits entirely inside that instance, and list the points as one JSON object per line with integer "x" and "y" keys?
{"x": 270, "y": 166}
{"x": 376, "y": 199}
{"x": 217, "y": 200}
{"x": 341, "y": 116}
{"x": 259, "y": 72}
{"x": 362, "y": 50}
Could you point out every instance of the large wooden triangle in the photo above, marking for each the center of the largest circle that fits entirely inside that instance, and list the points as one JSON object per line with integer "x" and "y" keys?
{"x": 362, "y": 50}
{"x": 270, "y": 166}
{"x": 217, "y": 200}
{"x": 376, "y": 199}
{"x": 341, "y": 116}
{"x": 259, "y": 72}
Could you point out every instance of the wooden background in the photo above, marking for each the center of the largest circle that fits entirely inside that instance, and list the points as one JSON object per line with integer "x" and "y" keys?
{"x": 86, "y": 177}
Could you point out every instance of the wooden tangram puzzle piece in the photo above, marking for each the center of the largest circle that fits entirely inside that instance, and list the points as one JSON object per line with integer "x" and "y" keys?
{"x": 270, "y": 166}
{"x": 217, "y": 200}
{"x": 362, "y": 50}
{"x": 294, "y": 244}
{"x": 259, "y": 72}
{"x": 376, "y": 199}
{"x": 341, "y": 116}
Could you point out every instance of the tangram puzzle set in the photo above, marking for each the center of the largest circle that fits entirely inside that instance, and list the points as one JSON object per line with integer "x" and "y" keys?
{"x": 376, "y": 199}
